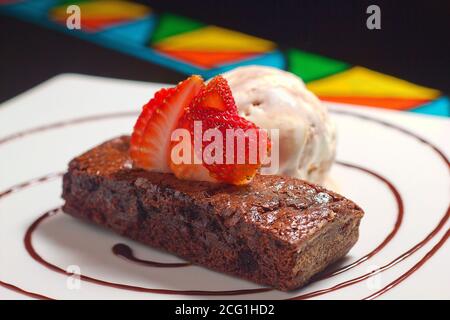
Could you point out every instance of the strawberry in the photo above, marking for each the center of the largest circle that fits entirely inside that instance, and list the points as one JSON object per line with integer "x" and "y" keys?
{"x": 216, "y": 95}
{"x": 150, "y": 141}
{"x": 215, "y": 108}
{"x": 144, "y": 117}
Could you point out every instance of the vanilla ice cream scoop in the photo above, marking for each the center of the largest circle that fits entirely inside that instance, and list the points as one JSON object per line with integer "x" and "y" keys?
{"x": 276, "y": 99}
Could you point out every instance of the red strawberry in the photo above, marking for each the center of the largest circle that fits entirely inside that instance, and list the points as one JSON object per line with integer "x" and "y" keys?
{"x": 216, "y": 95}
{"x": 144, "y": 117}
{"x": 215, "y": 108}
{"x": 150, "y": 141}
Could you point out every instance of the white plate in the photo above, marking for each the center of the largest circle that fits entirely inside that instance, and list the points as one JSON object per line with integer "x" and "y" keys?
{"x": 416, "y": 170}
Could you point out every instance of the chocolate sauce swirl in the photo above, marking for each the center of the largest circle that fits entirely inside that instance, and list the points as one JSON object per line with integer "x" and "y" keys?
{"x": 125, "y": 253}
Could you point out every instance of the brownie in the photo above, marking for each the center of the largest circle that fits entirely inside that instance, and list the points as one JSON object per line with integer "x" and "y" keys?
{"x": 276, "y": 231}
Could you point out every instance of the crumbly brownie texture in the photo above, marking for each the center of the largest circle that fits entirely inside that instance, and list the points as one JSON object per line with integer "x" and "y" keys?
{"x": 276, "y": 231}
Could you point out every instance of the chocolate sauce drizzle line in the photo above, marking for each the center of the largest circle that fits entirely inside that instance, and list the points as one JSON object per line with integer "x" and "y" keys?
{"x": 408, "y": 273}
{"x": 407, "y": 132}
{"x": 124, "y": 251}
{"x": 23, "y": 291}
{"x": 33, "y": 253}
{"x": 11, "y": 190}
{"x": 65, "y": 123}
{"x": 30, "y": 183}
{"x": 397, "y": 128}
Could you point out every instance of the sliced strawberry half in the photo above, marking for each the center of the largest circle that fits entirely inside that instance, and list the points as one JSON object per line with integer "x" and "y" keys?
{"x": 146, "y": 114}
{"x": 150, "y": 141}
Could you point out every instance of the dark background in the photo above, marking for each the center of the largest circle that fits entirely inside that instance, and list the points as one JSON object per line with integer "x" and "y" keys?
{"x": 413, "y": 43}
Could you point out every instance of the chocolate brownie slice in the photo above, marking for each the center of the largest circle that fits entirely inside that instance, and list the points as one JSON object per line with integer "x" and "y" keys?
{"x": 276, "y": 231}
